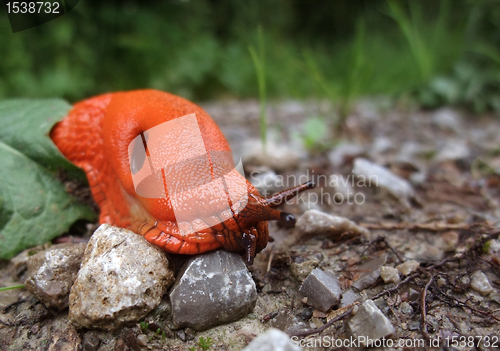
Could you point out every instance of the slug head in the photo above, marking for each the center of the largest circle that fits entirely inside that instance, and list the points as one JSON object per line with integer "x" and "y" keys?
{"x": 252, "y": 233}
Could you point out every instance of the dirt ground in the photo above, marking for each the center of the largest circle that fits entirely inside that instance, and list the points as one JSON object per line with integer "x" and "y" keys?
{"x": 452, "y": 160}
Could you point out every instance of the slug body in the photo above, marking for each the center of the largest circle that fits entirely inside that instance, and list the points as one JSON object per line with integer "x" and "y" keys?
{"x": 96, "y": 136}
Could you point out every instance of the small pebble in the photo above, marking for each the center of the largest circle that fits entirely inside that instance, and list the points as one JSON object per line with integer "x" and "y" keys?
{"x": 321, "y": 289}
{"x": 406, "y": 308}
{"x": 389, "y": 274}
{"x": 371, "y": 269}
{"x": 142, "y": 339}
{"x": 480, "y": 283}
{"x": 408, "y": 267}
{"x": 370, "y": 322}
{"x": 272, "y": 340}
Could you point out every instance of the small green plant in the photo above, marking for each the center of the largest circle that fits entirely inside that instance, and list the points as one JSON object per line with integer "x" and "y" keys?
{"x": 144, "y": 327}
{"x": 314, "y": 133}
{"x": 192, "y": 348}
{"x": 205, "y": 343}
{"x": 258, "y": 59}
{"x": 12, "y": 287}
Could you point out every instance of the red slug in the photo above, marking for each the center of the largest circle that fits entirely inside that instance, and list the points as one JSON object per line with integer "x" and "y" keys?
{"x": 98, "y": 135}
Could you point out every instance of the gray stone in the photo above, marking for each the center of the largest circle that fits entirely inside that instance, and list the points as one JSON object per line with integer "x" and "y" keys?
{"x": 453, "y": 150}
{"x": 369, "y": 322}
{"x": 413, "y": 295}
{"x": 406, "y": 308}
{"x": 447, "y": 118}
{"x": 381, "y": 145}
{"x": 321, "y": 289}
{"x": 343, "y": 152}
{"x": 52, "y": 272}
{"x": 272, "y": 340}
{"x": 122, "y": 278}
{"x": 414, "y": 325}
{"x": 212, "y": 289}
{"x": 480, "y": 283}
{"x": 389, "y": 274}
{"x": 408, "y": 267}
{"x": 278, "y": 157}
{"x": 314, "y": 222}
{"x": 266, "y": 182}
{"x": 90, "y": 342}
{"x": 371, "y": 269}
{"x": 381, "y": 177}
{"x": 348, "y": 298}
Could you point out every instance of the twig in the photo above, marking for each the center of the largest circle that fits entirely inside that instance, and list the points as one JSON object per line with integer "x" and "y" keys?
{"x": 434, "y": 226}
{"x": 423, "y": 308}
{"x": 396, "y": 287}
{"x": 270, "y": 260}
{"x": 307, "y": 332}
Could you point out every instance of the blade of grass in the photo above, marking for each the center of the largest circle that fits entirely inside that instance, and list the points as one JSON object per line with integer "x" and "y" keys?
{"x": 12, "y": 287}
{"x": 258, "y": 59}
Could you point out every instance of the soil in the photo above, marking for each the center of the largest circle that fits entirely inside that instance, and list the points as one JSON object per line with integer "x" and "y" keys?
{"x": 445, "y": 227}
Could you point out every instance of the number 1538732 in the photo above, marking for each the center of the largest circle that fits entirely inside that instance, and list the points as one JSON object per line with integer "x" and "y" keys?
{"x": 32, "y": 7}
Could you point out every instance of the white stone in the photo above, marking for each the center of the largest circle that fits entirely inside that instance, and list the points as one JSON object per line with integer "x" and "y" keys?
{"x": 480, "y": 283}
{"x": 370, "y": 322}
{"x": 272, "y": 340}
{"x": 381, "y": 177}
{"x": 314, "y": 222}
{"x": 122, "y": 278}
{"x": 408, "y": 267}
{"x": 389, "y": 274}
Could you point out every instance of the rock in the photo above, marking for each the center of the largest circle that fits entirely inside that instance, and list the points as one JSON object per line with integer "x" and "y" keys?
{"x": 408, "y": 267}
{"x": 413, "y": 295}
{"x": 52, "y": 272}
{"x": 376, "y": 175}
{"x": 449, "y": 240}
{"x": 453, "y": 150}
{"x": 272, "y": 340}
{"x": 301, "y": 267}
{"x": 348, "y": 298}
{"x": 288, "y": 322}
{"x": 278, "y": 157}
{"x": 406, "y": 308}
{"x": 65, "y": 338}
{"x": 493, "y": 247}
{"x": 343, "y": 153}
{"x": 314, "y": 222}
{"x": 480, "y": 283}
{"x": 381, "y": 145}
{"x": 321, "y": 289}
{"x": 372, "y": 272}
{"x": 447, "y": 119}
{"x": 122, "y": 278}
{"x": 369, "y": 323}
{"x": 266, "y": 182}
{"x": 212, "y": 289}
{"x": 90, "y": 342}
{"x": 389, "y": 274}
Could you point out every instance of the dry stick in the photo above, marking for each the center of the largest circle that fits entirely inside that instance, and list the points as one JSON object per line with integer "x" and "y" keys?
{"x": 396, "y": 287}
{"x": 433, "y": 226}
{"x": 320, "y": 329}
{"x": 423, "y": 308}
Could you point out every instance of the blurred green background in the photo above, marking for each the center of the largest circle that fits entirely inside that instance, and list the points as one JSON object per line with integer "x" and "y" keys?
{"x": 435, "y": 52}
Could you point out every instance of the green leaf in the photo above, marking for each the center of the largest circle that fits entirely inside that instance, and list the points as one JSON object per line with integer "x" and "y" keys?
{"x": 26, "y": 124}
{"x": 34, "y": 206}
